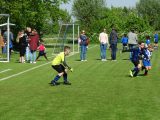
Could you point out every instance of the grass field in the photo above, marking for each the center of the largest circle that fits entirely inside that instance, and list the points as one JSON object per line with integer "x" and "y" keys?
{"x": 99, "y": 90}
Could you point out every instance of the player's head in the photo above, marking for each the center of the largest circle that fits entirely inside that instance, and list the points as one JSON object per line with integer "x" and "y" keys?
{"x": 141, "y": 44}
{"x": 150, "y": 47}
{"x": 83, "y": 31}
{"x": 66, "y": 50}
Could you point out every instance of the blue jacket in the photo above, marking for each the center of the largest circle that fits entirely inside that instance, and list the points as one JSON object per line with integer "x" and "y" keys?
{"x": 124, "y": 40}
{"x": 156, "y": 38}
{"x": 83, "y": 39}
{"x": 113, "y": 37}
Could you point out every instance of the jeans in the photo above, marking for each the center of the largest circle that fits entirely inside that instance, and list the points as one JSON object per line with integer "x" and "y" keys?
{"x": 32, "y": 55}
{"x": 83, "y": 52}
{"x": 114, "y": 50}
{"x": 27, "y": 53}
{"x": 103, "y": 48}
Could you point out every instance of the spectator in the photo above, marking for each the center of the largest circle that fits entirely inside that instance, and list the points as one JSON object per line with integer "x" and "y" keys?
{"x": 22, "y": 46}
{"x": 113, "y": 44}
{"x": 103, "y": 38}
{"x": 33, "y": 44}
{"x": 1, "y": 43}
{"x": 83, "y": 45}
{"x": 132, "y": 39}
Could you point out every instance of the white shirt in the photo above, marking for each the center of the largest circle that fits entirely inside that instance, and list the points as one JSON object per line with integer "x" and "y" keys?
{"x": 103, "y": 38}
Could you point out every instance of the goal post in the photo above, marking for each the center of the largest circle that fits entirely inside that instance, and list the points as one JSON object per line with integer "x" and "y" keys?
{"x": 68, "y": 35}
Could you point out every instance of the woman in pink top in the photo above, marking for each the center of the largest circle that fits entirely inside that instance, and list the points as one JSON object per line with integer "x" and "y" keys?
{"x": 103, "y": 39}
{"x": 42, "y": 49}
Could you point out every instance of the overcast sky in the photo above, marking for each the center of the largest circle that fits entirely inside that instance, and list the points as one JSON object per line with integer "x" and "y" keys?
{"x": 115, "y": 3}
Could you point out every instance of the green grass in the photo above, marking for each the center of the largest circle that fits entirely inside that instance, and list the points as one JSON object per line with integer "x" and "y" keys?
{"x": 99, "y": 91}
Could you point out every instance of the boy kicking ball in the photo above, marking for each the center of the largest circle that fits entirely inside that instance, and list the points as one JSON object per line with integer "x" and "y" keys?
{"x": 59, "y": 64}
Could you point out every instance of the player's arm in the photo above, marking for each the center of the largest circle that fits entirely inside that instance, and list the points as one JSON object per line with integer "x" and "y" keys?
{"x": 66, "y": 65}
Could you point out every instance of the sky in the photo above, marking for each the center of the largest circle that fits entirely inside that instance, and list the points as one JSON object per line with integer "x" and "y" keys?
{"x": 115, "y": 3}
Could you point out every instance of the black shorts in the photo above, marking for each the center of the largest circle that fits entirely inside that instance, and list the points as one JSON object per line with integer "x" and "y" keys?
{"x": 156, "y": 42}
{"x": 124, "y": 44}
{"x": 41, "y": 53}
{"x": 135, "y": 62}
{"x": 59, "y": 68}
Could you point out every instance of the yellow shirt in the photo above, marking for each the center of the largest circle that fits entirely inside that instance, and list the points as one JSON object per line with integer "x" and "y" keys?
{"x": 59, "y": 59}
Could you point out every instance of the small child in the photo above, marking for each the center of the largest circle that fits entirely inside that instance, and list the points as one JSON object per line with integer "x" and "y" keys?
{"x": 146, "y": 61}
{"x": 148, "y": 42}
{"x": 124, "y": 42}
{"x": 60, "y": 65}
{"x": 41, "y": 49}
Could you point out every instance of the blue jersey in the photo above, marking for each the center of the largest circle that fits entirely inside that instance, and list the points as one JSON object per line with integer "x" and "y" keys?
{"x": 148, "y": 41}
{"x": 124, "y": 40}
{"x": 136, "y": 54}
{"x": 146, "y": 60}
{"x": 156, "y": 38}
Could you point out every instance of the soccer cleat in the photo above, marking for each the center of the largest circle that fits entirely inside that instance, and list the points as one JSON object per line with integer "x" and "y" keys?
{"x": 67, "y": 83}
{"x": 54, "y": 84}
{"x": 131, "y": 74}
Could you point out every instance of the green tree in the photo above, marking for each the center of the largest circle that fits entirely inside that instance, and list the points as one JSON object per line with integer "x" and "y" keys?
{"x": 88, "y": 11}
{"x": 38, "y": 14}
{"x": 150, "y": 10}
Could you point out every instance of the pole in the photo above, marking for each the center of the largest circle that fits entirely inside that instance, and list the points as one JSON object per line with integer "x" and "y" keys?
{"x": 73, "y": 38}
{"x": 8, "y": 31}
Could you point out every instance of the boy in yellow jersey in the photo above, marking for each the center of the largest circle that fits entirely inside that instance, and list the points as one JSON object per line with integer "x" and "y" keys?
{"x": 59, "y": 64}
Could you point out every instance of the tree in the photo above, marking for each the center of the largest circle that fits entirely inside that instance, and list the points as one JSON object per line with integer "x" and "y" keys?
{"x": 34, "y": 13}
{"x": 88, "y": 11}
{"x": 150, "y": 10}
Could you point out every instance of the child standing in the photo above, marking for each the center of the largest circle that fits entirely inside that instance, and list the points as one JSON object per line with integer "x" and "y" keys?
{"x": 60, "y": 65}
{"x": 124, "y": 42}
{"x": 148, "y": 40}
{"x": 41, "y": 49}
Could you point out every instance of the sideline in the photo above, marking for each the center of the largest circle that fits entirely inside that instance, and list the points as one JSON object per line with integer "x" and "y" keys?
{"x": 5, "y": 70}
{"x": 14, "y": 75}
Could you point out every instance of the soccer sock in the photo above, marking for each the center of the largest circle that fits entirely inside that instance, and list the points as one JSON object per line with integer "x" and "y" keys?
{"x": 55, "y": 79}
{"x": 146, "y": 72}
{"x": 136, "y": 73}
{"x": 65, "y": 77}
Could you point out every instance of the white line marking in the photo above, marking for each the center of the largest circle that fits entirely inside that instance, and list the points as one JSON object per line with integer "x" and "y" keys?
{"x": 5, "y": 70}
{"x": 33, "y": 68}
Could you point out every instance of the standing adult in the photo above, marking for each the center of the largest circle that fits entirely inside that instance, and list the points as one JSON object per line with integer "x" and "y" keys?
{"x": 113, "y": 43}
{"x": 22, "y": 46}
{"x": 132, "y": 39}
{"x": 83, "y": 45}
{"x": 103, "y": 39}
{"x": 10, "y": 41}
{"x": 28, "y": 33}
{"x": 1, "y": 43}
{"x": 33, "y": 44}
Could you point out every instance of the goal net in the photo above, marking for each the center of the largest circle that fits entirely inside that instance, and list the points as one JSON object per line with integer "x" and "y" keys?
{"x": 68, "y": 36}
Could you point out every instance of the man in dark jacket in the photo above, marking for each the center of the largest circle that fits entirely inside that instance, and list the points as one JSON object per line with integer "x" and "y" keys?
{"x": 113, "y": 43}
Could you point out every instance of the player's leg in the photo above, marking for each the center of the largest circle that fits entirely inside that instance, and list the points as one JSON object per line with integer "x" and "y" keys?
{"x": 60, "y": 71}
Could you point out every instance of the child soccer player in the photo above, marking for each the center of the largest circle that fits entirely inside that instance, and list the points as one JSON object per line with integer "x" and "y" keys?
{"x": 136, "y": 57}
{"x": 146, "y": 61}
{"x": 148, "y": 40}
{"x": 156, "y": 37}
{"x": 124, "y": 41}
{"x": 41, "y": 49}
{"x": 59, "y": 64}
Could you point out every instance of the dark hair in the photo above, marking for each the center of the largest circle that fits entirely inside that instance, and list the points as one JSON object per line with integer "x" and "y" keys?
{"x": 147, "y": 37}
{"x": 66, "y": 47}
{"x": 140, "y": 42}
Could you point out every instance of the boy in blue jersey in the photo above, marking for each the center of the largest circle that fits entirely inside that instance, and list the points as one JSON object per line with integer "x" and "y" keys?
{"x": 60, "y": 65}
{"x": 124, "y": 41}
{"x": 148, "y": 42}
{"x": 146, "y": 60}
{"x": 156, "y": 37}
{"x": 136, "y": 57}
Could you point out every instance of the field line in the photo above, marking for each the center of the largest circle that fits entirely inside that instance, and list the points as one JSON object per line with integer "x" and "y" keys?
{"x": 14, "y": 75}
{"x": 5, "y": 70}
